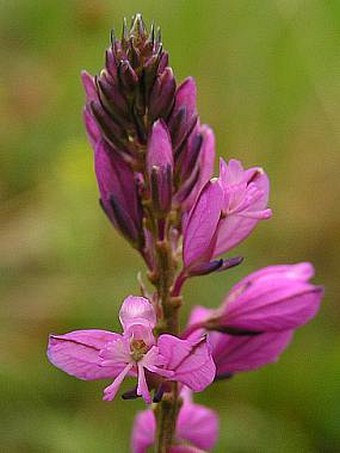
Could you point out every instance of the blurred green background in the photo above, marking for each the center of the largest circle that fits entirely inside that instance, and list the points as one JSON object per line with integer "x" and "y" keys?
{"x": 268, "y": 75}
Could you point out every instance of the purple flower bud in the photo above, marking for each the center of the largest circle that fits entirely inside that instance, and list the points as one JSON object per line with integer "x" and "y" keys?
{"x": 118, "y": 194}
{"x": 120, "y": 98}
{"x": 184, "y": 115}
{"x": 127, "y": 75}
{"x": 112, "y": 98}
{"x": 159, "y": 162}
{"x": 194, "y": 166}
{"x": 225, "y": 213}
{"x": 162, "y": 95}
{"x": 124, "y": 102}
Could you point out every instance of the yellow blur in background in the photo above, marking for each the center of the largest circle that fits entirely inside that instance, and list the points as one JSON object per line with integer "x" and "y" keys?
{"x": 268, "y": 75}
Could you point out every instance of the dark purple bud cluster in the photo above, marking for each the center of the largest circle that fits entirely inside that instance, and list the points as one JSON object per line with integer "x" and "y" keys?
{"x": 151, "y": 153}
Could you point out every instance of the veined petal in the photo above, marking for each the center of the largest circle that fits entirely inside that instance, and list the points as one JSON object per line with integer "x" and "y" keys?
{"x": 190, "y": 360}
{"x": 77, "y": 353}
{"x": 274, "y": 298}
{"x": 199, "y": 234}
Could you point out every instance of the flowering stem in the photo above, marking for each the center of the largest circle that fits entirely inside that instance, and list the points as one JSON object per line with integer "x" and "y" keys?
{"x": 167, "y": 409}
{"x": 166, "y": 415}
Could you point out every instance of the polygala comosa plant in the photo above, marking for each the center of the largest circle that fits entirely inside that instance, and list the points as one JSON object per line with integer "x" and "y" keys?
{"x": 154, "y": 163}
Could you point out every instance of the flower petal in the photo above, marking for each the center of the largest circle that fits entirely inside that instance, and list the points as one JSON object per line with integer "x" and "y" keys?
{"x": 143, "y": 432}
{"x": 111, "y": 391}
{"x": 190, "y": 360}
{"x": 199, "y": 234}
{"x": 233, "y": 354}
{"x": 246, "y": 195}
{"x": 274, "y": 298}
{"x": 138, "y": 318}
{"x": 77, "y": 353}
{"x": 198, "y": 425}
{"x": 142, "y": 387}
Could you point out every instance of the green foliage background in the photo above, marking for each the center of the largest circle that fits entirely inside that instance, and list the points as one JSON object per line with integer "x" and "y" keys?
{"x": 268, "y": 74}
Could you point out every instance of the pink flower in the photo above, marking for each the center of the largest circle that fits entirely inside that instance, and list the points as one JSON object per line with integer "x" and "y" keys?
{"x": 100, "y": 354}
{"x": 274, "y": 298}
{"x": 256, "y": 321}
{"x": 225, "y": 213}
{"x": 196, "y": 424}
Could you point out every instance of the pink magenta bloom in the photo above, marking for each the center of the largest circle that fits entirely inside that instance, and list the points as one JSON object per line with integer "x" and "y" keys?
{"x": 100, "y": 354}
{"x": 225, "y": 213}
{"x": 196, "y": 424}
{"x": 274, "y": 298}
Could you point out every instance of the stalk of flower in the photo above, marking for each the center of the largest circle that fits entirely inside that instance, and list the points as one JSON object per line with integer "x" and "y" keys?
{"x": 154, "y": 162}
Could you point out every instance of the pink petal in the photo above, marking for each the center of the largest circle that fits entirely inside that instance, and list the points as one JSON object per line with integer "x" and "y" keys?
{"x": 143, "y": 432}
{"x": 190, "y": 360}
{"x": 198, "y": 425}
{"x": 77, "y": 353}
{"x": 233, "y": 354}
{"x": 199, "y": 234}
{"x": 111, "y": 391}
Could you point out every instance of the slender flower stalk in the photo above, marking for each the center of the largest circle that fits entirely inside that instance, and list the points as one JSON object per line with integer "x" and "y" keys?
{"x": 154, "y": 162}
